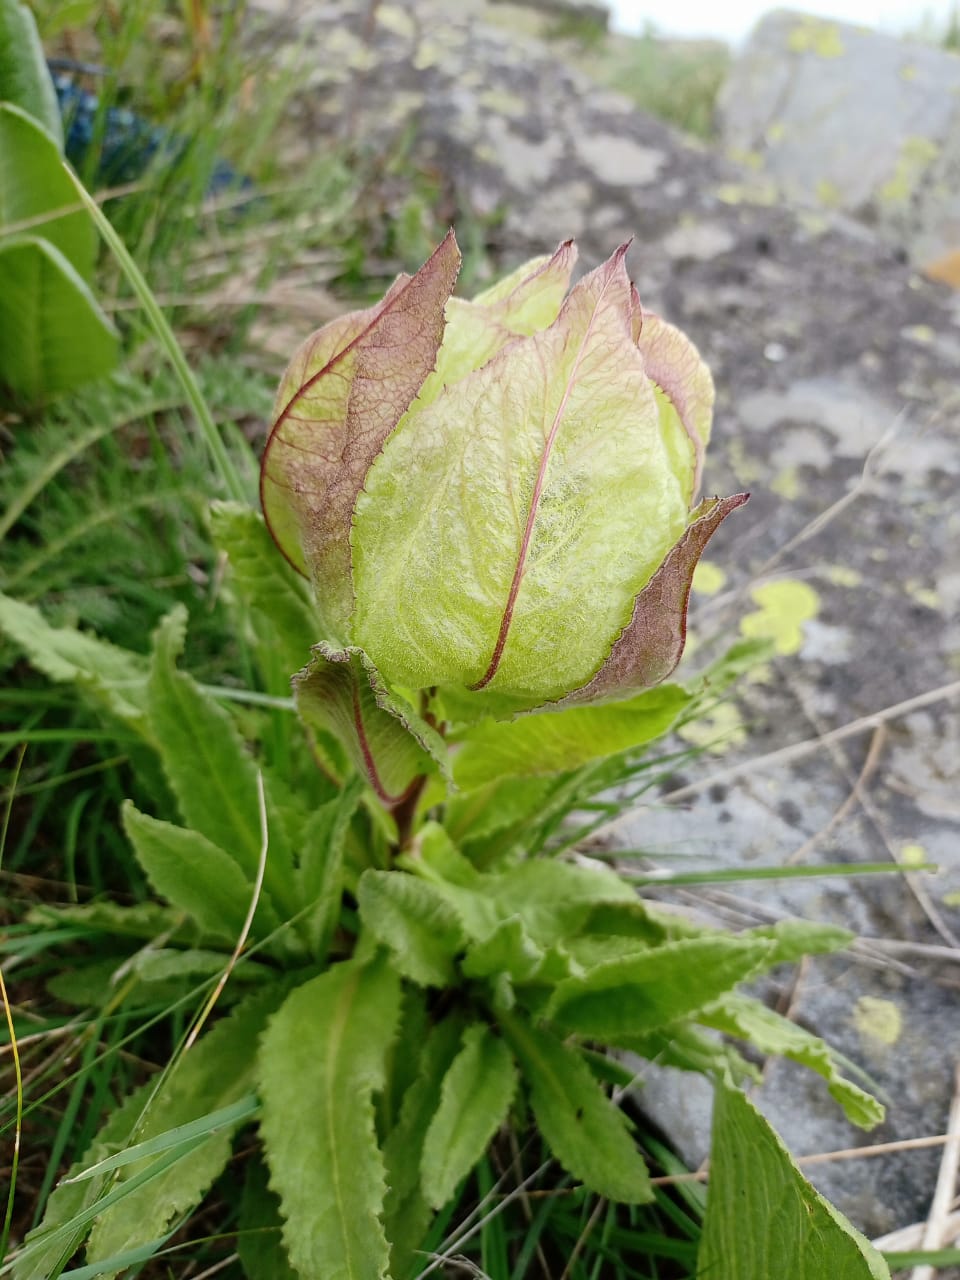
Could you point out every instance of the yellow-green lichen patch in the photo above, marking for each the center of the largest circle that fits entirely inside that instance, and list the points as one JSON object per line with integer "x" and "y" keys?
{"x": 504, "y": 103}
{"x": 820, "y": 38}
{"x": 926, "y": 596}
{"x": 708, "y": 578}
{"x": 396, "y": 20}
{"x": 878, "y": 1020}
{"x": 912, "y": 855}
{"x": 916, "y": 156}
{"x": 842, "y": 576}
{"x": 787, "y": 484}
{"x": 829, "y": 194}
{"x": 783, "y": 607}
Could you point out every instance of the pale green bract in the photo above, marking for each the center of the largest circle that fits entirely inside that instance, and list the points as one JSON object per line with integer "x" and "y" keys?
{"x": 495, "y": 499}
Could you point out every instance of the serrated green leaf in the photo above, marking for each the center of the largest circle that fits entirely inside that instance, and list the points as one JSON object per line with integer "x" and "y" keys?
{"x": 322, "y": 1059}
{"x": 406, "y": 1211}
{"x": 554, "y": 898}
{"x": 474, "y": 1099}
{"x": 143, "y": 920}
{"x": 266, "y": 582}
{"x": 168, "y": 965}
{"x": 650, "y": 989}
{"x": 409, "y": 916}
{"x": 476, "y": 815}
{"x": 795, "y": 939}
{"x": 112, "y": 678}
{"x": 209, "y": 770}
{"x": 24, "y": 78}
{"x": 556, "y": 741}
{"x": 389, "y": 745}
{"x": 585, "y": 1132}
{"x": 508, "y": 949}
{"x": 685, "y": 1048}
{"x": 320, "y": 872}
{"x": 762, "y": 1215}
{"x": 192, "y": 873}
{"x": 749, "y": 1019}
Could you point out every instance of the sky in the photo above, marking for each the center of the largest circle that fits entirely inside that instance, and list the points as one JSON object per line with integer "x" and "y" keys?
{"x": 733, "y": 19}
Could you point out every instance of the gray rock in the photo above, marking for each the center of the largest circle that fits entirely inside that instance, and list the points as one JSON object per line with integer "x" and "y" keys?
{"x": 855, "y": 120}
{"x": 836, "y": 368}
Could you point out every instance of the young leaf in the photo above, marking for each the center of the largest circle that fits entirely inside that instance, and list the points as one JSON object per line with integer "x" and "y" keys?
{"x": 266, "y": 582}
{"x": 553, "y": 742}
{"x": 195, "y": 875}
{"x": 554, "y": 898}
{"x": 34, "y": 184}
{"x": 474, "y": 1100}
{"x": 583, "y": 1129}
{"x": 112, "y": 678}
{"x": 650, "y": 989}
{"x": 798, "y": 938}
{"x": 682, "y": 1046}
{"x": 565, "y": 546}
{"x": 406, "y": 1211}
{"x": 508, "y": 949}
{"x": 24, "y": 78}
{"x": 763, "y": 1216}
{"x": 410, "y": 917}
{"x": 320, "y": 872}
{"x": 209, "y": 770}
{"x": 341, "y": 693}
{"x": 321, "y": 1061}
{"x": 751, "y": 1020}
{"x": 342, "y": 394}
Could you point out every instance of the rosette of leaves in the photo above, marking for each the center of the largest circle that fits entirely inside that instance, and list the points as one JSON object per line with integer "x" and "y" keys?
{"x": 495, "y": 500}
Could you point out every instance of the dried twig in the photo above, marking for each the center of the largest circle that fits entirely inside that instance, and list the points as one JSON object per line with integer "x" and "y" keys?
{"x": 933, "y": 1236}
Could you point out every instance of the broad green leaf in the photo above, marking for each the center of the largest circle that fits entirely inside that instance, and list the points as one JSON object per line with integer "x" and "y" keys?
{"x": 409, "y": 916}
{"x": 142, "y": 921}
{"x": 260, "y": 1236}
{"x": 543, "y": 471}
{"x": 649, "y": 647}
{"x": 35, "y": 189}
{"x": 798, "y": 938}
{"x": 265, "y": 582}
{"x": 476, "y": 815}
{"x": 192, "y": 873}
{"x": 342, "y": 394}
{"x": 554, "y": 898}
{"x": 168, "y": 965}
{"x": 406, "y": 1211}
{"x": 584, "y": 1130}
{"x": 474, "y": 1099}
{"x": 523, "y": 303}
{"x": 24, "y": 78}
{"x": 112, "y": 678}
{"x": 209, "y": 770}
{"x": 508, "y": 949}
{"x": 217, "y": 1071}
{"x": 553, "y": 742}
{"x": 321, "y": 1062}
{"x": 44, "y": 304}
{"x": 320, "y": 871}
{"x": 650, "y": 989}
{"x": 683, "y": 1047}
{"x": 751, "y": 1020}
{"x": 341, "y": 693}
{"x": 763, "y": 1216}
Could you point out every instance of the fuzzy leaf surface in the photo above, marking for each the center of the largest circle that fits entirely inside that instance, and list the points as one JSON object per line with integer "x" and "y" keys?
{"x": 112, "y": 678}
{"x": 410, "y": 917}
{"x": 192, "y": 873}
{"x": 646, "y": 990}
{"x": 320, "y": 872}
{"x": 584, "y": 1130}
{"x": 474, "y": 1099}
{"x": 340, "y": 692}
{"x": 683, "y": 380}
{"x": 751, "y": 1020}
{"x": 763, "y": 1214}
{"x": 321, "y": 1061}
{"x": 341, "y": 396}
{"x": 553, "y": 742}
{"x": 24, "y": 78}
{"x": 210, "y": 771}
{"x": 552, "y": 502}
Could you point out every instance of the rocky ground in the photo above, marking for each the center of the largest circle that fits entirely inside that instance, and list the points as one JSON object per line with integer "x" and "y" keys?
{"x": 839, "y": 407}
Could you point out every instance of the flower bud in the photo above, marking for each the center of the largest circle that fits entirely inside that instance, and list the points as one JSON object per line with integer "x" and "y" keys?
{"x": 494, "y": 498}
